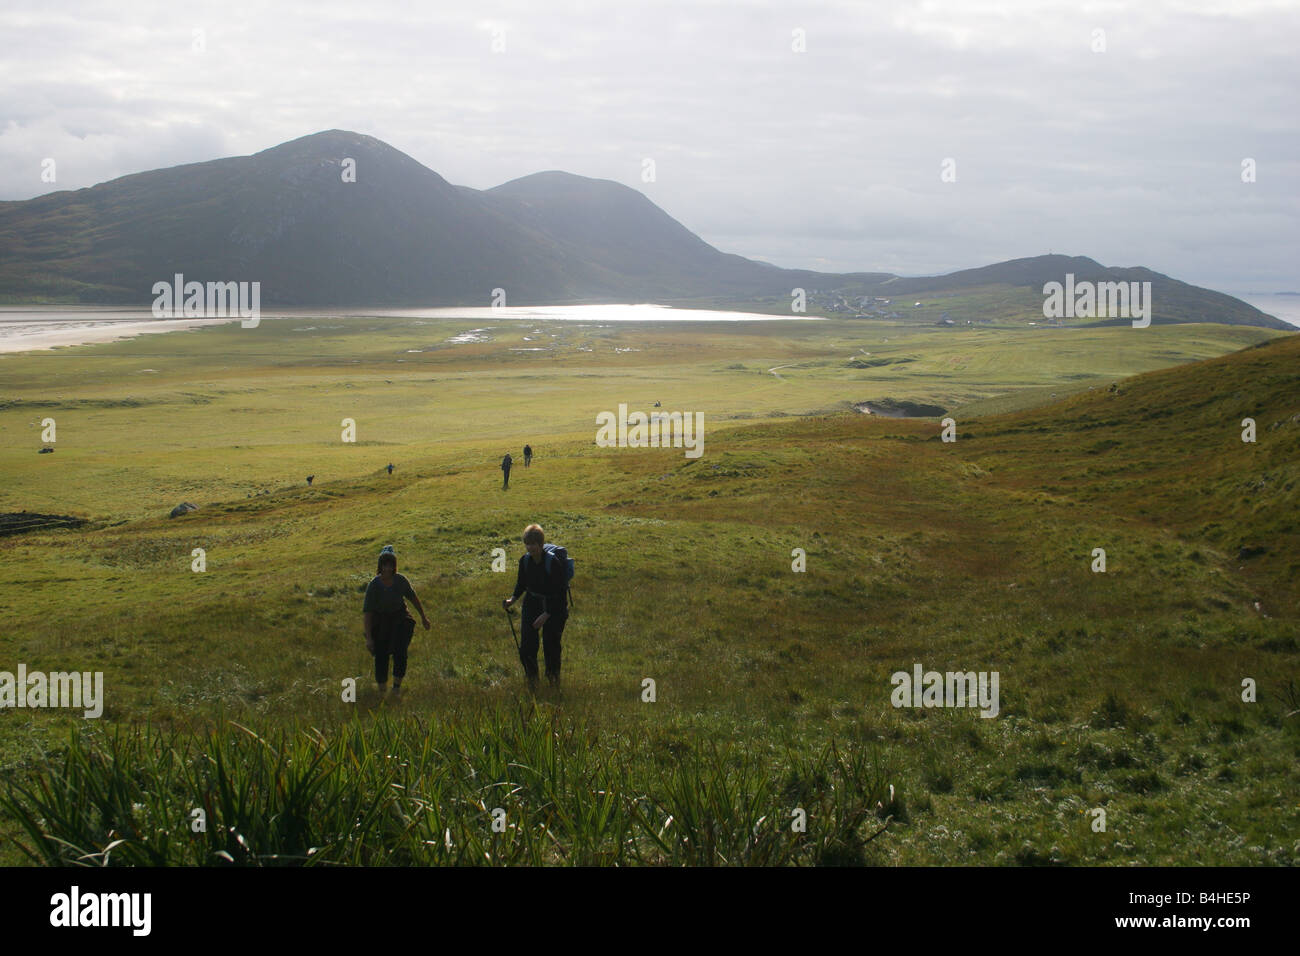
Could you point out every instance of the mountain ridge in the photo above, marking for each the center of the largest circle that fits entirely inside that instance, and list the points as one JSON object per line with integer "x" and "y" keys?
{"x": 401, "y": 234}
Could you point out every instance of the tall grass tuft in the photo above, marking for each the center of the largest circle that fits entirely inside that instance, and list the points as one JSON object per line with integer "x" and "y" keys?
{"x": 403, "y": 791}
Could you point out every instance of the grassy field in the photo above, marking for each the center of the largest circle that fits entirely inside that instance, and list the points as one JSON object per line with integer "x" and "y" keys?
{"x": 1120, "y": 691}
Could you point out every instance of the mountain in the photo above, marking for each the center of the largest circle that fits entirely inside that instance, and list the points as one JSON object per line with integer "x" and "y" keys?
{"x": 402, "y": 235}
{"x": 284, "y": 217}
{"x": 1174, "y": 301}
{"x": 620, "y": 231}
{"x": 399, "y": 234}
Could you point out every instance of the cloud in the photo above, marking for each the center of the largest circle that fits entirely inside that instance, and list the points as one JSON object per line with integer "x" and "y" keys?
{"x": 1129, "y": 155}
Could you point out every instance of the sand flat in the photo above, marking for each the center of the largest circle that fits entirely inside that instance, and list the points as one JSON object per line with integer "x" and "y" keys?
{"x": 33, "y": 334}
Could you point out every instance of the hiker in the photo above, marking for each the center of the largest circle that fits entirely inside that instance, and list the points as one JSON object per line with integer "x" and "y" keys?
{"x": 389, "y": 624}
{"x": 390, "y": 467}
{"x": 309, "y": 478}
{"x": 546, "y": 607}
{"x": 528, "y": 455}
{"x": 506, "y": 462}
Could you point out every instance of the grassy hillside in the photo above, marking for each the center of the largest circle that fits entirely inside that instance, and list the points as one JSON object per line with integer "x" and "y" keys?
{"x": 1119, "y": 691}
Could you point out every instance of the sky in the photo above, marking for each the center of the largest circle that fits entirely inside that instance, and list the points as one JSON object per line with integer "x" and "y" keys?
{"x": 908, "y": 137}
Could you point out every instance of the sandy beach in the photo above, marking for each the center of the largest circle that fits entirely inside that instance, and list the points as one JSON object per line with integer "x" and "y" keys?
{"x": 30, "y": 330}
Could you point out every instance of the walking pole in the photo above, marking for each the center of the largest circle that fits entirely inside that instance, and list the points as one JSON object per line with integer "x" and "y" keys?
{"x": 511, "y": 618}
{"x": 519, "y": 651}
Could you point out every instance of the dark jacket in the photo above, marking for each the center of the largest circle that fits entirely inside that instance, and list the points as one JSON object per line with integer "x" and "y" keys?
{"x": 545, "y": 592}
{"x": 388, "y": 605}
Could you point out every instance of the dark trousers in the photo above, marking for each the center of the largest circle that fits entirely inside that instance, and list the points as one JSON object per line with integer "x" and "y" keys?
{"x": 550, "y": 635}
{"x": 392, "y": 637}
{"x": 528, "y": 460}
{"x": 507, "y": 481}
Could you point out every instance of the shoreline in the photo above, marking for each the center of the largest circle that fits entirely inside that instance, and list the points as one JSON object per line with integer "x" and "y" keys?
{"x": 26, "y": 334}
{"x": 48, "y": 328}
{"x": 45, "y": 328}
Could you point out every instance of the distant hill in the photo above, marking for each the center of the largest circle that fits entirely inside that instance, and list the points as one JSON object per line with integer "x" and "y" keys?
{"x": 402, "y": 235}
{"x": 1174, "y": 301}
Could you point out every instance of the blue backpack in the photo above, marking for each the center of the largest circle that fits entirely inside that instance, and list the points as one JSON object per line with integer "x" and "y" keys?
{"x": 556, "y": 552}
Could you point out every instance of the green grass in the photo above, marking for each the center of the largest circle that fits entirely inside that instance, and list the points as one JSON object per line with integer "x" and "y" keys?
{"x": 1119, "y": 691}
{"x": 498, "y": 787}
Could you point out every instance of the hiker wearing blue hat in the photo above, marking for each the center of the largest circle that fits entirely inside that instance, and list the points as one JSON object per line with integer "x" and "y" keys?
{"x": 389, "y": 625}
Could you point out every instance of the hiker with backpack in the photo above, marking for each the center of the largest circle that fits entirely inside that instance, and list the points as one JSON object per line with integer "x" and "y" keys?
{"x": 544, "y": 573}
{"x": 389, "y": 625}
{"x": 506, "y": 462}
{"x": 528, "y": 455}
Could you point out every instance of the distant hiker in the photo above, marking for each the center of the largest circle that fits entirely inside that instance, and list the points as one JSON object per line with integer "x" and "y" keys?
{"x": 506, "y": 462}
{"x": 658, "y": 404}
{"x": 528, "y": 455}
{"x": 546, "y": 607}
{"x": 309, "y": 478}
{"x": 390, "y": 467}
{"x": 389, "y": 624}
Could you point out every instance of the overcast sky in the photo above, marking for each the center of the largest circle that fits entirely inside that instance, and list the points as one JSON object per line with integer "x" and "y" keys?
{"x": 830, "y": 158}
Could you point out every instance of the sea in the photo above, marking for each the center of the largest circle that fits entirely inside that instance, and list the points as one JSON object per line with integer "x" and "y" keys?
{"x": 1283, "y": 305}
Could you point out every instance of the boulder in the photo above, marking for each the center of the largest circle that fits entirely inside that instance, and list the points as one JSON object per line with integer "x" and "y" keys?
{"x": 183, "y": 508}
